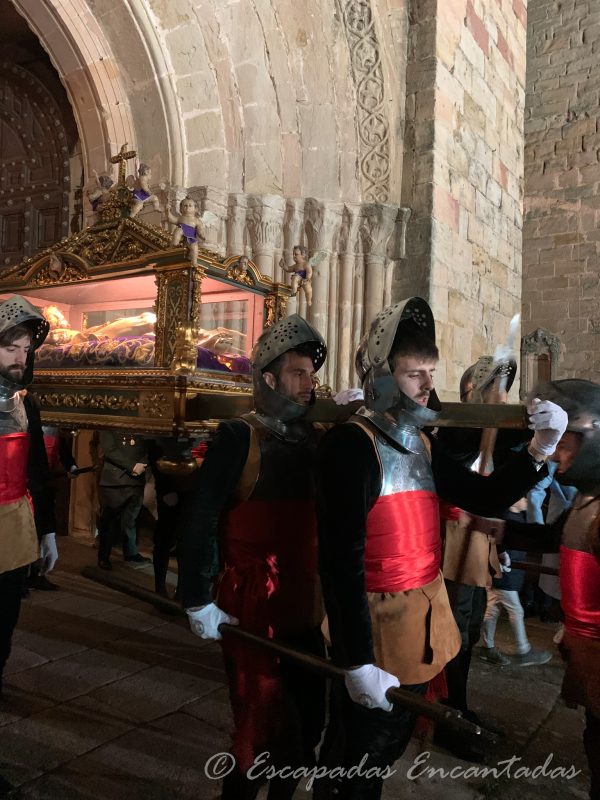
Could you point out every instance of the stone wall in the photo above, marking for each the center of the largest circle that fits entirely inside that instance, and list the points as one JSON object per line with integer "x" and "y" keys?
{"x": 462, "y": 176}
{"x": 324, "y": 124}
{"x": 561, "y": 278}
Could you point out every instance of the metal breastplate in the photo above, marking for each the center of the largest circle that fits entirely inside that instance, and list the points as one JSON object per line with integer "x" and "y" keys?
{"x": 405, "y": 465}
{"x": 14, "y": 421}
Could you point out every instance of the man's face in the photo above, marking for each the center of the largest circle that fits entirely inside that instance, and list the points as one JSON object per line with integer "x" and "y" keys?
{"x": 414, "y": 377}
{"x": 295, "y": 379}
{"x": 566, "y": 451}
{"x": 495, "y": 392}
{"x": 13, "y": 358}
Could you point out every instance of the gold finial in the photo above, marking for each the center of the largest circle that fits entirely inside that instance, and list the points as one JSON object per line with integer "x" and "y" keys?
{"x": 122, "y": 156}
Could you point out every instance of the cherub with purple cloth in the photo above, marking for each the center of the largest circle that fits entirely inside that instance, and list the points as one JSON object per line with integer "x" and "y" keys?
{"x": 141, "y": 193}
{"x": 188, "y": 225}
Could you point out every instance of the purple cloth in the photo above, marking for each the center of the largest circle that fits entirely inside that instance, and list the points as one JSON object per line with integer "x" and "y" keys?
{"x": 189, "y": 231}
{"x": 134, "y": 351}
{"x": 301, "y": 273}
{"x": 95, "y": 202}
{"x": 141, "y": 194}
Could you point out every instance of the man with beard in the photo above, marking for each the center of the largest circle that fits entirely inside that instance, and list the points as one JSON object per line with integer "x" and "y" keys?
{"x": 379, "y": 482}
{"x": 254, "y": 505}
{"x": 26, "y": 533}
{"x": 576, "y": 535}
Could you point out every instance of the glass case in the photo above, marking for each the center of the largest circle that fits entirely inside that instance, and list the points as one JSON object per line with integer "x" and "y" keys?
{"x": 112, "y": 323}
{"x": 143, "y": 337}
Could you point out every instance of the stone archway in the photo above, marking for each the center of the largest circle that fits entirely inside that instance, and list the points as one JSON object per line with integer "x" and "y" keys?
{"x": 106, "y": 75}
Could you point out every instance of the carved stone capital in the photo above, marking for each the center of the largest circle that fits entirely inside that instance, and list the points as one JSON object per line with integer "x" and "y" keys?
{"x": 377, "y": 225}
{"x": 323, "y": 221}
{"x": 540, "y": 341}
{"x": 237, "y": 210}
{"x": 348, "y": 238}
{"x": 265, "y": 221}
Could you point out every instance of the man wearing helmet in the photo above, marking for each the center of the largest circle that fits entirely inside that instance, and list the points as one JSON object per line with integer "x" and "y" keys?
{"x": 576, "y": 535}
{"x": 254, "y": 502}
{"x": 379, "y": 481}
{"x": 25, "y": 533}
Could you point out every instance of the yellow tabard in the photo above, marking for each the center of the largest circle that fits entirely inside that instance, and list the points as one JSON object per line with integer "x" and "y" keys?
{"x": 414, "y": 632}
{"x": 469, "y": 556}
{"x": 18, "y": 540}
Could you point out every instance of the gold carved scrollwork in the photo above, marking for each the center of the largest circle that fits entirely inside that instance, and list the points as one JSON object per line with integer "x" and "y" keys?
{"x": 57, "y": 271}
{"x": 275, "y": 306}
{"x": 98, "y": 402}
{"x": 171, "y": 312}
{"x": 155, "y": 404}
{"x": 185, "y": 354}
{"x": 235, "y": 274}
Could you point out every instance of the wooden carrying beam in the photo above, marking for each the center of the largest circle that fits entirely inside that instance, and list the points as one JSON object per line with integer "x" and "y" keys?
{"x": 440, "y": 714}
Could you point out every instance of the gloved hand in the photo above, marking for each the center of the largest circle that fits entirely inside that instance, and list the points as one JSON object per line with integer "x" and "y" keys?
{"x": 505, "y": 561}
{"x": 368, "y": 684}
{"x": 348, "y": 396}
{"x": 138, "y": 469}
{"x": 549, "y": 421}
{"x": 205, "y": 621}
{"x": 48, "y": 553}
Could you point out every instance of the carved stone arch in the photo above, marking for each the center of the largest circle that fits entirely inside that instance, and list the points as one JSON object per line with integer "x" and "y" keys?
{"x": 34, "y": 166}
{"x": 102, "y": 71}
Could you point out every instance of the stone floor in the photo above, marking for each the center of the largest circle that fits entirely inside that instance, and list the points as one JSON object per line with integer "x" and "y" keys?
{"x": 109, "y": 698}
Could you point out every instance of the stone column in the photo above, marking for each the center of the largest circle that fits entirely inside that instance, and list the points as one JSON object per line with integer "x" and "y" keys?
{"x": 323, "y": 220}
{"x": 377, "y": 225}
{"x": 237, "y": 208}
{"x": 347, "y": 255}
{"x": 265, "y": 224}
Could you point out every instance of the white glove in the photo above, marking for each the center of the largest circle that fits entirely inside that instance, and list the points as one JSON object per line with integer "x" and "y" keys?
{"x": 505, "y": 561}
{"x": 549, "y": 422}
{"x": 205, "y": 621}
{"x": 368, "y": 684}
{"x": 348, "y": 396}
{"x": 48, "y": 553}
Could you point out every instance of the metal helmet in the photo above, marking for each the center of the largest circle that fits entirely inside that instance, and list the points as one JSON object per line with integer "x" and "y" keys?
{"x": 288, "y": 334}
{"x": 486, "y": 370}
{"x": 16, "y": 311}
{"x": 372, "y": 363}
{"x": 581, "y": 400}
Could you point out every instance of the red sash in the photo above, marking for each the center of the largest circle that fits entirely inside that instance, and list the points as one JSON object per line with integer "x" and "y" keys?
{"x": 52, "y": 445}
{"x": 403, "y": 547}
{"x": 14, "y": 452}
{"x": 580, "y": 592}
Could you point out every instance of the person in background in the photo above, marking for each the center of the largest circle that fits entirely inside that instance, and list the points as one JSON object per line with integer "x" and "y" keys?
{"x": 122, "y": 483}
{"x": 27, "y": 526}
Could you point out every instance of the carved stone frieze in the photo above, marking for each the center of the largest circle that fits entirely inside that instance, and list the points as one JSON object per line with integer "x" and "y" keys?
{"x": 373, "y": 123}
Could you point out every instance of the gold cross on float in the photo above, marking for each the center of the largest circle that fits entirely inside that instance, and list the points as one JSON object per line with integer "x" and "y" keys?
{"x": 121, "y": 158}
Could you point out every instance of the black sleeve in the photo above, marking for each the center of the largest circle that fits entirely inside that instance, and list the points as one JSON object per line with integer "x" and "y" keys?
{"x": 348, "y": 482}
{"x": 201, "y": 508}
{"x": 534, "y": 538}
{"x": 38, "y": 472}
{"x": 488, "y": 496}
